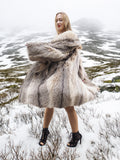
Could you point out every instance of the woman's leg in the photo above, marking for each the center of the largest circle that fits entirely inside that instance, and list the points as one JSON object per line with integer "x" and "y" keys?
{"x": 73, "y": 119}
{"x": 47, "y": 117}
{"x": 76, "y": 136}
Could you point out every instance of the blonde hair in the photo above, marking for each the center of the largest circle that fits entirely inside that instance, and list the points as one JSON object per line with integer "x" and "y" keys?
{"x": 66, "y": 20}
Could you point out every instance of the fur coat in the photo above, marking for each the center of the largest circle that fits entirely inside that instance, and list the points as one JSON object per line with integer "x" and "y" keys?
{"x": 57, "y": 78}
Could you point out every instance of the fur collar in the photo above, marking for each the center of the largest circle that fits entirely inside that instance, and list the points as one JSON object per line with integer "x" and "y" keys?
{"x": 65, "y": 35}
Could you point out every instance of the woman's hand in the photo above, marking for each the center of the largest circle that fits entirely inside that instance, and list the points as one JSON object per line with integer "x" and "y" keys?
{"x": 80, "y": 47}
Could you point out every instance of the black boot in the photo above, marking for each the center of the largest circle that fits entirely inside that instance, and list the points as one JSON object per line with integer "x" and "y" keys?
{"x": 44, "y": 136}
{"x": 75, "y": 138}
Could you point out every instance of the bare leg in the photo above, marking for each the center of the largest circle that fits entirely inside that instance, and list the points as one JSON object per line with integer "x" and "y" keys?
{"x": 73, "y": 119}
{"x": 47, "y": 117}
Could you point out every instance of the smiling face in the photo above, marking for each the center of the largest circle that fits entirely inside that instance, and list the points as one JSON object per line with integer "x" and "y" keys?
{"x": 60, "y": 23}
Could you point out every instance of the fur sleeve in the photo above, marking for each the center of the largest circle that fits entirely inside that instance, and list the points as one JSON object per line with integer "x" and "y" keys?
{"x": 43, "y": 51}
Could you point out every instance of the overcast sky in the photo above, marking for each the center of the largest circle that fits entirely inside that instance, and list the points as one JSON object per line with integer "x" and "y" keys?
{"x": 41, "y": 13}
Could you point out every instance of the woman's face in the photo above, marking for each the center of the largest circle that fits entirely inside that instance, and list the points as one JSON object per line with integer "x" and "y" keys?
{"x": 60, "y": 24}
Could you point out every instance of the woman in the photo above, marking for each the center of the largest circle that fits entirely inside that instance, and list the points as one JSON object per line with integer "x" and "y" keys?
{"x": 58, "y": 78}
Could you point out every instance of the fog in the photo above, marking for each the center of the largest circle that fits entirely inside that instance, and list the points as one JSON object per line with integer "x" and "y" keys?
{"x": 40, "y": 14}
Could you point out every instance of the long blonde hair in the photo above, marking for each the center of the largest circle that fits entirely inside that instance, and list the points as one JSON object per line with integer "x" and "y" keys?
{"x": 66, "y": 20}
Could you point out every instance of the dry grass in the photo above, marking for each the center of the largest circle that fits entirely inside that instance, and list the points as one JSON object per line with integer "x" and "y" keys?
{"x": 104, "y": 128}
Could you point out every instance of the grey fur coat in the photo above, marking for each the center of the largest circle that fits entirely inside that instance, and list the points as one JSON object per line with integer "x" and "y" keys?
{"x": 57, "y": 78}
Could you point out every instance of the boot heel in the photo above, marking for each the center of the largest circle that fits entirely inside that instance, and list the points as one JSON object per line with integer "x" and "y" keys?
{"x": 75, "y": 138}
{"x": 80, "y": 138}
{"x": 80, "y": 141}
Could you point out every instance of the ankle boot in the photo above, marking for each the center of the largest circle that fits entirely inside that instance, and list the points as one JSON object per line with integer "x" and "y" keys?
{"x": 75, "y": 138}
{"x": 44, "y": 136}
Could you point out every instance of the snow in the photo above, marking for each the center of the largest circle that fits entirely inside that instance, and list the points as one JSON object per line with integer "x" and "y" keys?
{"x": 18, "y": 120}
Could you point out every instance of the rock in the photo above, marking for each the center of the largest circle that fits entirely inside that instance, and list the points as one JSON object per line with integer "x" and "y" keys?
{"x": 116, "y": 79}
{"x": 110, "y": 88}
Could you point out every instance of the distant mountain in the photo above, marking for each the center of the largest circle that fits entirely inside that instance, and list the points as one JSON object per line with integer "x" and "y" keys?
{"x": 88, "y": 24}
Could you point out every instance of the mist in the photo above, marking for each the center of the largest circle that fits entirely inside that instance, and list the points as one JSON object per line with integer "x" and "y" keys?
{"x": 36, "y": 14}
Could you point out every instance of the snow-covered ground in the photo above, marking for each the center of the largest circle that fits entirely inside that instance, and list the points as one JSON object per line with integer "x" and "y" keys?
{"x": 98, "y": 123}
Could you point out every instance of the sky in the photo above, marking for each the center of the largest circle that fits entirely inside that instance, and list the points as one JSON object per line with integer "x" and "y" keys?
{"x": 41, "y": 13}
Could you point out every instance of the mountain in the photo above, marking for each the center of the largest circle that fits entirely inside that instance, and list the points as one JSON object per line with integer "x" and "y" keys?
{"x": 87, "y": 24}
